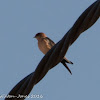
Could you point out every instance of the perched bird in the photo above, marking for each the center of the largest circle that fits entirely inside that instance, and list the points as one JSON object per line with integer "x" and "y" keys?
{"x": 22, "y": 89}
{"x": 45, "y": 44}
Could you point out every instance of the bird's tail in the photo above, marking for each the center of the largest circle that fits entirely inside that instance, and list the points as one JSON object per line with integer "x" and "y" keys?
{"x": 67, "y": 61}
{"x": 63, "y": 62}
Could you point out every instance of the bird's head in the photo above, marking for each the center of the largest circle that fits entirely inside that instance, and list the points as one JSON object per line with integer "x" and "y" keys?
{"x": 40, "y": 35}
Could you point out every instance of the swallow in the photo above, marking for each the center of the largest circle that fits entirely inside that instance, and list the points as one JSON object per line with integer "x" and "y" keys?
{"x": 45, "y": 44}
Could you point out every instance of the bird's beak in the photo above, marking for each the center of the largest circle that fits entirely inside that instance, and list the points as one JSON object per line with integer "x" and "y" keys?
{"x": 34, "y": 37}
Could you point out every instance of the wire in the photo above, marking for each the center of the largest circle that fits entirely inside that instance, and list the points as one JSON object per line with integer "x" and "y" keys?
{"x": 56, "y": 54}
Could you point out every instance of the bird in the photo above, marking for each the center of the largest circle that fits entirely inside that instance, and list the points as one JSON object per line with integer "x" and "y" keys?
{"x": 85, "y": 21}
{"x": 45, "y": 44}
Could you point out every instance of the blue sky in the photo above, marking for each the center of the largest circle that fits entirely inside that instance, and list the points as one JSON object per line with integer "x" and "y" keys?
{"x": 20, "y": 20}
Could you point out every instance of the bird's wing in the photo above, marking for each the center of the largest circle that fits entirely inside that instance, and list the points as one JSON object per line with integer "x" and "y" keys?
{"x": 49, "y": 41}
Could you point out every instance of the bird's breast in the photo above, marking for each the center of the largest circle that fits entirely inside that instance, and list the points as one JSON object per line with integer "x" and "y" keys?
{"x": 44, "y": 46}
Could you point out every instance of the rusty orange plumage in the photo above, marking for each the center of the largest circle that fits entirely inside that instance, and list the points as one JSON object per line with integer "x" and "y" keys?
{"x": 45, "y": 44}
